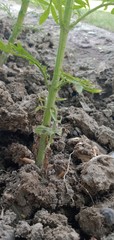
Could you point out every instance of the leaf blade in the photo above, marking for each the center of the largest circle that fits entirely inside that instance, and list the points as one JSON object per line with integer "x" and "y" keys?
{"x": 44, "y": 16}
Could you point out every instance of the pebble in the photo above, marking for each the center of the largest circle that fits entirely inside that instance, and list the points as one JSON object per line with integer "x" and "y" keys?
{"x": 108, "y": 214}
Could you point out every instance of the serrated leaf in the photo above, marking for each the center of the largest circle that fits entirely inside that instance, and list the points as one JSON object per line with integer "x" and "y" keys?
{"x": 83, "y": 83}
{"x": 92, "y": 89}
{"x": 44, "y": 16}
{"x": 19, "y": 51}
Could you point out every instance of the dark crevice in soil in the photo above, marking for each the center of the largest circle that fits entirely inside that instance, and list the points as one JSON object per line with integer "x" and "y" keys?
{"x": 8, "y": 137}
{"x": 20, "y": 238}
{"x": 70, "y": 214}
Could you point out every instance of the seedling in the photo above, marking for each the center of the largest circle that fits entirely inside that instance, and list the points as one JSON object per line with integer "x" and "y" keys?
{"x": 17, "y": 26}
{"x": 62, "y": 12}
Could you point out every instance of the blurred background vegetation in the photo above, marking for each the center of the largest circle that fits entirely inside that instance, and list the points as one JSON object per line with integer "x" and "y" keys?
{"x": 100, "y": 18}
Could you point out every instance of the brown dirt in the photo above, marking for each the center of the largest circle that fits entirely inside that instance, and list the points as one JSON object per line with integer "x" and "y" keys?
{"x": 75, "y": 199}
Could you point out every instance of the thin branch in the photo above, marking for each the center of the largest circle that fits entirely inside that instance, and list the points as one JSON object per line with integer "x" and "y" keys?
{"x": 72, "y": 25}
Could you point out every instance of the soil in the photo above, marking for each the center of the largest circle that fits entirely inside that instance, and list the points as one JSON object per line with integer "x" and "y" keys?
{"x": 75, "y": 198}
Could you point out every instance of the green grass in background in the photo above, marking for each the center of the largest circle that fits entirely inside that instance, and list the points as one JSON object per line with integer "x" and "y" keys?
{"x": 101, "y": 19}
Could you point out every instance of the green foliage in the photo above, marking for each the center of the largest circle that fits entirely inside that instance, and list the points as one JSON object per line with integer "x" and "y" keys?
{"x": 42, "y": 3}
{"x": 54, "y": 13}
{"x": 19, "y": 51}
{"x": 48, "y": 131}
{"x": 17, "y": 27}
{"x": 102, "y": 19}
{"x": 41, "y": 129}
{"x": 54, "y": 7}
{"x": 44, "y": 16}
{"x": 6, "y": 8}
{"x": 112, "y": 11}
{"x": 82, "y": 15}
{"x": 80, "y": 84}
{"x": 80, "y": 4}
{"x": 50, "y": 7}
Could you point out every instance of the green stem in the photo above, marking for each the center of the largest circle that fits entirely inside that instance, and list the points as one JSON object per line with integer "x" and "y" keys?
{"x": 89, "y": 12}
{"x": 60, "y": 12}
{"x": 17, "y": 27}
{"x": 64, "y": 30}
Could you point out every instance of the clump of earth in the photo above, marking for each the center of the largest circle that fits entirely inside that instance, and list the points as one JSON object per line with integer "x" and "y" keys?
{"x": 75, "y": 198}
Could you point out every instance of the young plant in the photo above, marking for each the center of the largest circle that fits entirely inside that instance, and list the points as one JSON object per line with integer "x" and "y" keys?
{"x": 62, "y": 12}
{"x": 17, "y": 27}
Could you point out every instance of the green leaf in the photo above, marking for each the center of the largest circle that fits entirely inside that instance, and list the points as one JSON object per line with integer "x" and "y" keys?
{"x": 112, "y": 11}
{"x": 19, "y": 51}
{"x": 43, "y": 3}
{"x": 87, "y": 3}
{"x": 60, "y": 99}
{"x": 44, "y": 130}
{"x": 76, "y": 7}
{"x": 44, "y": 16}
{"x": 39, "y": 108}
{"x": 79, "y": 83}
{"x": 54, "y": 14}
{"x": 80, "y": 2}
{"x": 55, "y": 3}
{"x": 107, "y": 1}
{"x": 47, "y": 130}
{"x": 53, "y": 114}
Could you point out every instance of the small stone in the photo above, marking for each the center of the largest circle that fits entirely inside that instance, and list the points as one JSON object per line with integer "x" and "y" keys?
{"x": 107, "y": 112}
{"x": 108, "y": 214}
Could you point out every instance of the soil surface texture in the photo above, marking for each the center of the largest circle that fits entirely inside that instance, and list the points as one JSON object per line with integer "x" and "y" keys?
{"x": 75, "y": 198}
